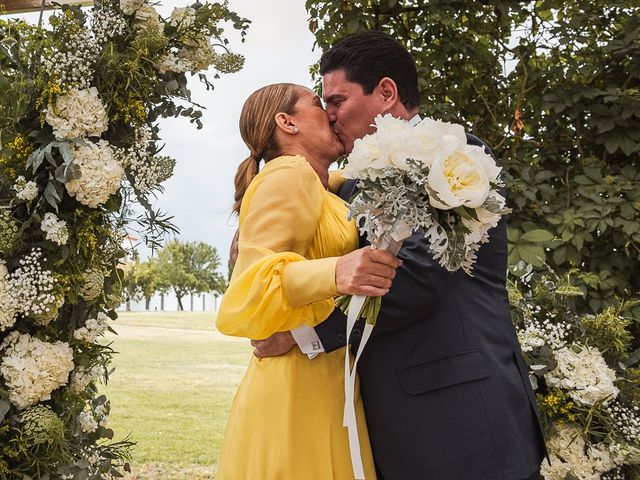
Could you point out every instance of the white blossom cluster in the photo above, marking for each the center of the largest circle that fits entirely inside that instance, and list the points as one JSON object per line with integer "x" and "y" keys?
{"x": 31, "y": 287}
{"x": 78, "y": 113}
{"x": 536, "y": 334}
{"x": 570, "y": 455}
{"x": 148, "y": 170}
{"x": 585, "y": 375}
{"x": 94, "y": 327}
{"x": 32, "y": 368}
{"x": 27, "y": 191}
{"x": 74, "y": 68}
{"x": 100, "y": 173}
{"x": 8, "y": 308}
{"x": 81, "y": 377}
{"x": 55, "y": 229}
{"x": 106, "y": 24}
{"x": 626, "y": 420}
{"x": 89, "y": 421}
{"x": 407, "y": 172}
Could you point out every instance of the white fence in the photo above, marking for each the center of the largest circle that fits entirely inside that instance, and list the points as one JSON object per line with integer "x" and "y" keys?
{"x": 207, "y": 302}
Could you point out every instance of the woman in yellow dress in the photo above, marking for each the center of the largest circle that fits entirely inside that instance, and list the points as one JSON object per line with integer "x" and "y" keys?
{"x": 296, "y": 251}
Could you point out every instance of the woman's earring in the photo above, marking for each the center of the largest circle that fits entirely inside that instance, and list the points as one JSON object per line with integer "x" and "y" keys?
{"x": 294, "y": 130}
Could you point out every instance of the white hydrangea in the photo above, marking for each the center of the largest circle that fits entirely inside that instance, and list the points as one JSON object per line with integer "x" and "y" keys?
{"x": 87, "y": 422}
{"x": 172, "y": 63}
{"x": 81, "y": 377}
{"x": 570, "y": 455}
{"x": 55, "y": 229}
{"x": 27, "y": 191}
{"x": 94, "y": 327}
{"x": 79, "y": 113}
{"x": 100, "y": 174}
{"x": 624, "y": 454}
{"x": 8, "y": 308}
{"x": 129, "y": 7}
{"x": 183, "y": 17}
{"x": 32, "y": 368}
{"x": 584, "y": 374}
{"x": 147, "y": 18}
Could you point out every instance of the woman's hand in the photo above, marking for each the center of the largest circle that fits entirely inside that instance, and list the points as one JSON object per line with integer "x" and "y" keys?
{"x": 366, "y": 271}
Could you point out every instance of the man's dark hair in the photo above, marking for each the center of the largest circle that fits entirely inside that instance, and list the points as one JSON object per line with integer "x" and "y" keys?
{"x": 368, "y": 57}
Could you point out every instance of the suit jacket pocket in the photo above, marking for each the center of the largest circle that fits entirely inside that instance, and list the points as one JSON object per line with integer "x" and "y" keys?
{"x": 443, "y": 372}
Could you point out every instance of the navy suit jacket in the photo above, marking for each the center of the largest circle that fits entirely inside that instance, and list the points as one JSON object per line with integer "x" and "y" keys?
{"x": 445, "y": 389}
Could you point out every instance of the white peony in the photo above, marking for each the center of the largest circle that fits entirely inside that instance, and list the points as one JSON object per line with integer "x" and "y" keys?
{"x": 100, "y": 174}
{"x": 570, "y": 455}
{"x": 32, "y": 369}
{"x": 25, "y": 190}
{"x": 129, "y": 7}
{"x": 462, "y": 179}
{"x": 437, "y": 139}
{"x": 584, "y": 374}
{"x": 79, "y": 113}
{"x": 55, "y": 229}
{"x": 389, "y": 147}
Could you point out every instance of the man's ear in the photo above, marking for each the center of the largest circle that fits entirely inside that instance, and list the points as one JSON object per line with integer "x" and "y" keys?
{"x": 387, "y": 92}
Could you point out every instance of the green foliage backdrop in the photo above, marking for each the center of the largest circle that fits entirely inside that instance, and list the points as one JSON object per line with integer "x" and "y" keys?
{"x": 554, "y": 88}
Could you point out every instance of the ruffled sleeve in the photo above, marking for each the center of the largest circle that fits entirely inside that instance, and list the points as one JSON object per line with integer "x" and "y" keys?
{"x": 274, "y": 287}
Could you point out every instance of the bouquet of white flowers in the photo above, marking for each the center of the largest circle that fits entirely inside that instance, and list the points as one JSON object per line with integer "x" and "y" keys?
{"x": 418, "y": 177}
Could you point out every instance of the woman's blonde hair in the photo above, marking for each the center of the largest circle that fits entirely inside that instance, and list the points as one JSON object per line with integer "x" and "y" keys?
{"x": 258, "y": 130}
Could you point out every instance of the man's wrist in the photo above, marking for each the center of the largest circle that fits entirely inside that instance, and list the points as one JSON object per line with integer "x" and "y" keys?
{"x": 307, "y": 340}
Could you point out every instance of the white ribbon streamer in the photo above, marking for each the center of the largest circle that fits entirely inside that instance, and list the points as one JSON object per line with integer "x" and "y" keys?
{"x": 392, "y": 243}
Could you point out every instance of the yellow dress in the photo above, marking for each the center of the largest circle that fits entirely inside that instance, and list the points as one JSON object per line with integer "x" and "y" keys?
{"x": 286, "y": 417}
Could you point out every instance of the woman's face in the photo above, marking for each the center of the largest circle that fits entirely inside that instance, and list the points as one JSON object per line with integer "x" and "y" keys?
{"x": 315, "y": 134}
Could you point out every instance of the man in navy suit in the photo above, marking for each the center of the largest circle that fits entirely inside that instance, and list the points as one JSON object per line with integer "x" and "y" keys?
{"x": 445, "y": 389}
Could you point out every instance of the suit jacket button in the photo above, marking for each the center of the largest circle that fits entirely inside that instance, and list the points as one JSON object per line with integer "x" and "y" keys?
{"x": 355, "y": 332}
{"x": 341, "y": 337}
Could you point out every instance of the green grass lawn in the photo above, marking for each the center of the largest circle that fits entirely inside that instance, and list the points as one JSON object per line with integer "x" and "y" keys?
{"x": 174, "y": 380}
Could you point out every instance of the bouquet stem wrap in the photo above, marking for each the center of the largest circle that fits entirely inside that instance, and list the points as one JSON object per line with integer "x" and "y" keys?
{"x": 355, "y": 305}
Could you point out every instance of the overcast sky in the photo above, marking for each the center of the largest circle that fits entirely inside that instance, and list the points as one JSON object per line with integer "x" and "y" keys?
{"x": 278, "y": 48}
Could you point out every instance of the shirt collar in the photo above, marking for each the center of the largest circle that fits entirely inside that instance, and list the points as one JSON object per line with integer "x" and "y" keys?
{"x": 415, "y": 120}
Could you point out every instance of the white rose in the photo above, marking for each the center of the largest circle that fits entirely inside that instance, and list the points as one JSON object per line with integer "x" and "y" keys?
{"x": 462, "y": 179}
{"x": 437, "y": 140}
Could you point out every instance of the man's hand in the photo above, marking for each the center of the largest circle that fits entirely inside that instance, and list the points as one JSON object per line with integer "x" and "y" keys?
{"x": 277, "y": 344}
{"x": 366, "y": 271}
